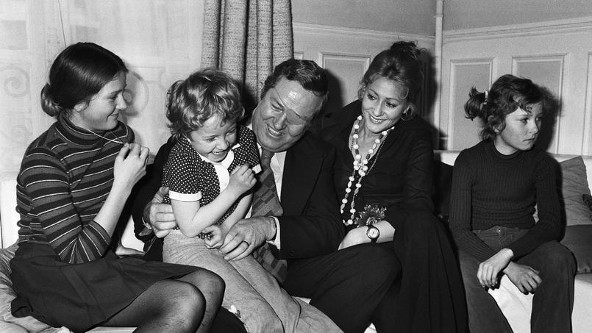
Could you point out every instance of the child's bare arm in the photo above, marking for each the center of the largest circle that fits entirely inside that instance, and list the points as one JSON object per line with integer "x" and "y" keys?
{"x": 192, "y": 218}
{"x": 239, "y": 213}
{"x": 219, "y": 233}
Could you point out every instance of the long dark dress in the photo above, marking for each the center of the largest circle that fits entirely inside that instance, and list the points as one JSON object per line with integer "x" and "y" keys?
{"x": 430, "y": 295}
{"x": 64, "y": 271}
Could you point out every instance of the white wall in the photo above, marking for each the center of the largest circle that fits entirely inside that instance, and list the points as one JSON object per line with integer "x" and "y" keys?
{"x": 405, "y": 16}
{"x": 555, "y": 54}
{"x": 549, "y": 41}
{"x": 471, "y": 14}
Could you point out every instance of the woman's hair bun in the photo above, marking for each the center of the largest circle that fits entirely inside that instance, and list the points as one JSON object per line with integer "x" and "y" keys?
{"x": 48, "y": 103}
{"x": 408, "y": 48}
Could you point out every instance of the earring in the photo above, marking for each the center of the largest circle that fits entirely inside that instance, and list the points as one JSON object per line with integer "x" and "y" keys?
{"x": 407, "y": 114}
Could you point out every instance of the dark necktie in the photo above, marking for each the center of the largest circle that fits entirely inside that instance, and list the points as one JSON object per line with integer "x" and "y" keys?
{"x": 266, "y": 203}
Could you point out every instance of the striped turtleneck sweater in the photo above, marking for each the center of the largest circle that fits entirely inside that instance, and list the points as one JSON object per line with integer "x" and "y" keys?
{"x": 491, "y": 189}
{"x": 65, "y": 177}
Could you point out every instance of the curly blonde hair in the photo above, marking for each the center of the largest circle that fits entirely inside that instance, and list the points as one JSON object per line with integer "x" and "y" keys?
{"x": 203, "y": 94}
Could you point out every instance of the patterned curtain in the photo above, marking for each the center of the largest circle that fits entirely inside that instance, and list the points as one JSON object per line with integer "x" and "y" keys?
{"x": 247, "y": 38}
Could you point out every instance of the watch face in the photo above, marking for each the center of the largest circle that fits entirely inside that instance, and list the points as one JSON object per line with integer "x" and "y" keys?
{"x": 373, "y": 233}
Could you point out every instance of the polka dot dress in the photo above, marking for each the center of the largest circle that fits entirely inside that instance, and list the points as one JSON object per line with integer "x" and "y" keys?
{"x": 190, "y": 177}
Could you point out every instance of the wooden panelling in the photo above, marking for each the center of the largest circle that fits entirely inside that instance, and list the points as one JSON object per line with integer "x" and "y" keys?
{"x": 546, "y": 71}
{"x": 345, "y": 73}
{"x": 463, "y": 132}
{"x": 556, "y": 55}
{"x": 587, "y": 143}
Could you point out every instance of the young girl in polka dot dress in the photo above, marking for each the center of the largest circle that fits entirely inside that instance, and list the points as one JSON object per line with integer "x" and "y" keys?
{"x": 210, "y": 173}
{"x": 209, "y": 170}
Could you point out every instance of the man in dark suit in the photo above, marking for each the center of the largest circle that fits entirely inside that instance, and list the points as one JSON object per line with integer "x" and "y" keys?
{"x": 347, "y": 285}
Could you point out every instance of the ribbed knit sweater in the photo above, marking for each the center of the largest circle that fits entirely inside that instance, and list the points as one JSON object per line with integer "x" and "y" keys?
{"x": 491, "y": 189}
{"x": 65, "y": 177}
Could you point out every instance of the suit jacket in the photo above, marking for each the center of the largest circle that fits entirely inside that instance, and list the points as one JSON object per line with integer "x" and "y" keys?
{"x": 311, "y": 224}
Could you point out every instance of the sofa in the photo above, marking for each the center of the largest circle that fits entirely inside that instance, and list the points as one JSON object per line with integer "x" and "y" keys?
{"x": 516, "y": 306}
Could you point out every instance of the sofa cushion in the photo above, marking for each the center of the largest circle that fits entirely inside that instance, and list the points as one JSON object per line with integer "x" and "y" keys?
{"x": 7, "y": 294}
{"x": 442, "y": 185}
{"x": 578, "y": 238}
{"x": 587, "y": 198}
{"x": 574, "y": 184}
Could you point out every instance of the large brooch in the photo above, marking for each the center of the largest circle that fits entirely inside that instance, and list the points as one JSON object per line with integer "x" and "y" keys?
{"x": 370, "y": 215}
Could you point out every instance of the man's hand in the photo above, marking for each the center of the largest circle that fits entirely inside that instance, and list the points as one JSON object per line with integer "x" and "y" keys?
{"x": 246, "y": 235}
{"x": 159, "y": 215}
{"x": 525, "y": 278}
{"x": 490, "y": 268}
{"x": 216, "y": 233}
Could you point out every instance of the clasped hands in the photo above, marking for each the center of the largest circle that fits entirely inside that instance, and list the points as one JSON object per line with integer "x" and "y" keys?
{"x": 236, "y": 243}
{"x": 524, "y": 277}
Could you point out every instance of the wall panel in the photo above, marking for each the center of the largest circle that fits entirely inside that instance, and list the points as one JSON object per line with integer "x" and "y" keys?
{"x": 346, "y": 72}
{"x": 546, "y": 71}
{"x": 466, "y": 74}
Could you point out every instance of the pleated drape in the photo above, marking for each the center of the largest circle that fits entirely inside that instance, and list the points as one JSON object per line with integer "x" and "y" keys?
{"x": 247, "y": 38}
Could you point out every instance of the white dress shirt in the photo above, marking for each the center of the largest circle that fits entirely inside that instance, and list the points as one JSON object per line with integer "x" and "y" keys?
{"x": 277, "y": 168}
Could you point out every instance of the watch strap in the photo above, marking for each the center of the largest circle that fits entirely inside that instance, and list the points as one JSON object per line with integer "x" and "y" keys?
{"x": 372, "y": 239}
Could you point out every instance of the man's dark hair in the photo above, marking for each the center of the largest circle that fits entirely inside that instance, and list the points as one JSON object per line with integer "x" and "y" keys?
{"x": 311, "y": 76}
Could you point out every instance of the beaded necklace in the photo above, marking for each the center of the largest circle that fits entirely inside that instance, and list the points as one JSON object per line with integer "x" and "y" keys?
{"x": 361, "y": 167}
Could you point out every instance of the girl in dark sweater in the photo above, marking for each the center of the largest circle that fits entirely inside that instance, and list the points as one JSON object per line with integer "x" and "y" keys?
{"x": 495, "y": 187}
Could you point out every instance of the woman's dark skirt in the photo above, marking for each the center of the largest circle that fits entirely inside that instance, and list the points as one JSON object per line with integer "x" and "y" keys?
{"x": 80, "y": 296}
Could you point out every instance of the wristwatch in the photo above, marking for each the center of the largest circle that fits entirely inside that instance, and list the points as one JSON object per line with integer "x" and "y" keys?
{"x": 373, "y": 233}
